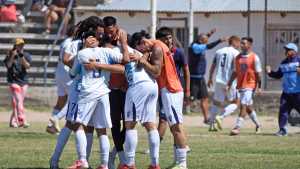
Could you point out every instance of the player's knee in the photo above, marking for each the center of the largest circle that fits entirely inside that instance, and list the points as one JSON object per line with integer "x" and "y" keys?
{"x": 149, "y": 126}
{"x": 89, "y": 129}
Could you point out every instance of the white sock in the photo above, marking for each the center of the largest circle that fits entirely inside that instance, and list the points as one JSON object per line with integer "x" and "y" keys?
{"x": 181, "y": 157}
{"x": 154, "y": 142}
{"x": 62, "y": 139}
{"x": 104, "y": 149}
{"x": 214, "y": 110}
{"x": 122, "y": 157}
{"x": 239, "y": 122}
{"x": 89, "y": 141}
{"x": 130, "y": 146}
{"x": 62, "y": 113}
{"x": 228, "y": 110}
{"x": 253, "y": 117}
{"x": 81, "y": 143}
{"x": 174, "y": 153}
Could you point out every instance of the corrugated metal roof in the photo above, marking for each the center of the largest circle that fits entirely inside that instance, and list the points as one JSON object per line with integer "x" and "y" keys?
{"x": 199, "y": 5}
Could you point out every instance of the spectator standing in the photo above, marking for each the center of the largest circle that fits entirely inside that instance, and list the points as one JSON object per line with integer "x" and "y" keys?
{"x": 17, "y": 63}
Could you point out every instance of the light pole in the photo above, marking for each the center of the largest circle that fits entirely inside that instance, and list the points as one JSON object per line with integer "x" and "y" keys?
{"x": 191, "y": 23}
{"x": 153, "y": 17}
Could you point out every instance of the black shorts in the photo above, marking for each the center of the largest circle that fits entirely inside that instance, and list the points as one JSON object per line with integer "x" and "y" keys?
{"x": 198, "y": 88}
{"x": 117, "y": 103}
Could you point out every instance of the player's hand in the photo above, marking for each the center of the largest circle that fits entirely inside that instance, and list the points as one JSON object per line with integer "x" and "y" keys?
{"x": 90, "y": 65}
{"x": 268, "y": 69}
{"x": 210, "y": 83}
{"x": 187, "y": 94}
{"x": 227, "y": 88}
{"x": 135, "y": 57}
{"x": 91, "y": 42}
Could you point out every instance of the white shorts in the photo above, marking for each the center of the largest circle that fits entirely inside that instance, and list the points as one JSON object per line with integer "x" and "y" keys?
{"x": 246, "y": 96}
{"x": 63, "y": 80}
{"x": 95, "y": 113}
{"x": 140, "y": 103}
{"x": 221, "y": 95}
{"x": 172, "y": 104}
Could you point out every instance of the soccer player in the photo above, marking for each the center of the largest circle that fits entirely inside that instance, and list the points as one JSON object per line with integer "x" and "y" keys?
{"x": 181, "y": 63}
{"x": 141, "y": 99}
{"x": 171, "y": 93}
{"x": 289, "y": 71}
{"x": 93, "y": 100}
{"x": 63, "y": 82}
{"x": 223, "y": 65}
{"x": 118, "y": 85}
{"x": 71, "y": 51}
{"x": 247, "y": 70}
{"x": 197, "y": 63}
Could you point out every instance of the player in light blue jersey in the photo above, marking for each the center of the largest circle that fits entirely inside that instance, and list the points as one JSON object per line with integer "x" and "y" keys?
{"x": 93, "y": 100}
{"x": 223, "y": 66}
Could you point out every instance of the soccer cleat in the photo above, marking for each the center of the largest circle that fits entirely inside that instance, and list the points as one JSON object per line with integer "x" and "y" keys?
{"x": 124, "y": 166}
{"x": 154, "y": 167}
{"x": 178, "y": 167}
{"x": 13, "y": 125}
{"x": 219, "y": 122}
{"x": 212, "y": 128}
{"x": 55, "y": 123}
{"x": 79, "y": 164}
{"x": 111, "y": 160}
{"x": 51, "y": 130}
{"x": 102, "y": 167}
{"x": 257, "y": 129}
{"x": 235, "y": 131}
{"x": 281, "y": 133}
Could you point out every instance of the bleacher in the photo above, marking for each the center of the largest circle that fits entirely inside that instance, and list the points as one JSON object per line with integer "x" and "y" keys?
{"x": 37, "y": 44}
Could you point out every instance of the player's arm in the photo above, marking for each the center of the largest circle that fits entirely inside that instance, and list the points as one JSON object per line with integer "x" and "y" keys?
{"x": 113, "y": 68}
{"x": 68, "y": 59}
{"x": 232, "y": 78}
{"x": 124, "y": 46}
{"x": 258, "y": 70}
{"x": 215, "y": 43}
{"x": 211, "y": 72}
{"x": 187, "y": 79}
{"x": 258, "y": 77}
{"x": 153, "y": 66}
{"x": 274, "y": 74}
{"x": 76, "y": 69}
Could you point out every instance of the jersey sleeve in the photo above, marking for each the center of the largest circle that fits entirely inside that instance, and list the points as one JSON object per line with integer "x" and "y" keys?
{"x": 258, "y": 67}
{"x": 199, "y": 48}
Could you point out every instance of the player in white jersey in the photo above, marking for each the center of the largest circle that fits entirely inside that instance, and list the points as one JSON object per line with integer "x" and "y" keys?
{"x": 93, "y": 100}
{"x": 140, "y": 104}
{"x": 91, "y": 23}
{"x": 63, "y": 82}
{"x": 223, "y": 65}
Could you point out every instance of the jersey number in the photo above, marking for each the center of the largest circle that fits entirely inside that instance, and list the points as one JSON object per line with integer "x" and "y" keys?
{"x": 223, "y": 61}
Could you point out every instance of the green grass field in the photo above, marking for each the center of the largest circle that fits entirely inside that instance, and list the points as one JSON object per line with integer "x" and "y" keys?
{"x": 31, "y": 148}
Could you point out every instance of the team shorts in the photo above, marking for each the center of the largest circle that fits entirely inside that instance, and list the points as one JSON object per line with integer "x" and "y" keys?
{"x": 171, "y": 105}
{"x": 199, "y": 88}
{"x": 140, "y": 103}
{"x": 95, "y": 113}
{"x": 246, "y": 97}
